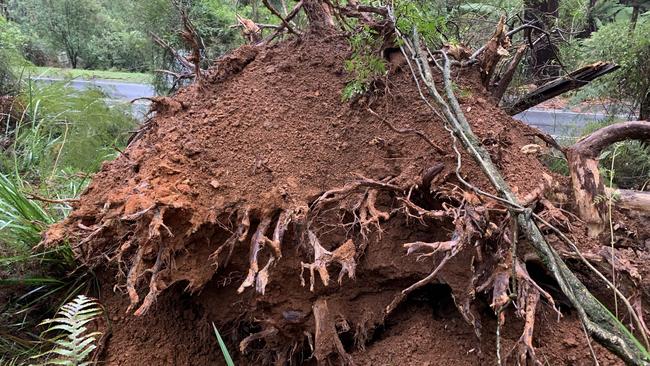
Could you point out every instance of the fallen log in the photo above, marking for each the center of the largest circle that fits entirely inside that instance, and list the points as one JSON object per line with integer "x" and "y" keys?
{"x": 627, "y": 199}
{"x": 561, "y": 85}
{"x": 585, "y": 177}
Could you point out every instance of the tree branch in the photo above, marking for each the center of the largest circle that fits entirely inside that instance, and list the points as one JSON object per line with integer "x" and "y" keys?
{"x": 277, "y": 14}
{"x": 572, "y": 81}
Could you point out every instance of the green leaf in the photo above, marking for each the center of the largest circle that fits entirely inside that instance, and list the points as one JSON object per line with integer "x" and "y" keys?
{"x": 222, "y": 345}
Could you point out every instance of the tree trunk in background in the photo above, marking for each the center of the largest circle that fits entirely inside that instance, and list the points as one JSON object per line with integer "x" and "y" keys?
{"x": 542, "y": 14}
{"x": 644, "y": 110}
{"x": 591, "y": 22}
{"x": 255, "y": 14}
{"x": 635, "y": 15}
{"x": 319, "y": 15}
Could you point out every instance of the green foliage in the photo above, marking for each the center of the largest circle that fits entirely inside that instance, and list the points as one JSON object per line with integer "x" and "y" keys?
{"x": 213, "y": 20}
{"x": 556, "y": 162}
{"x": 627, "y": 165}
{"x": 63, "y": 73}
{"x": 61, "y": 137}
{"x": 21, "y": 219}
{"x": 67, "y": 25}
{"x": 630, "y": 49}
{"x": 365, "y": 65}
{"x": 64, "y": 128}
{"x": 222, "y": 345}
{"x": 73, "y": 342}
{"x": 606, "y": 11}
{"x": 425, "y": 16}
{"x": 11, "y": 39}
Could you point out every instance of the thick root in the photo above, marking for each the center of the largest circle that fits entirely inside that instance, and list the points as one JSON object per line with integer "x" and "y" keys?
{"x": 257, "y": 242}
{"x": 525, "y": 343}
{"x": 344, "y": 255}
{"x": 369, "y": 214}
{"x": 465, "y": 221}
{"x": 327, "y": 339}
{"x": 266, "y": 333}
{"x": 260, "y": 278}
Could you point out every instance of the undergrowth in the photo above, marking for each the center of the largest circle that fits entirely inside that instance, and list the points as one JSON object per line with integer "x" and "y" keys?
{"x": 73, "y": 343}
{"x": 365, "y": 65}
{"x": 625, "y": 164}
{"x": 48, "y": 154}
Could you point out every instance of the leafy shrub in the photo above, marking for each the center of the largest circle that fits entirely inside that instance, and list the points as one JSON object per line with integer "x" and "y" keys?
{"x": 631, "y": 161}
{"x": 64, "y": 128}
{"x": 631, "y": 168}
{"x": 629, "y": 49}
{"x": 10, "y": 41}
{"x": 365, "y": 65}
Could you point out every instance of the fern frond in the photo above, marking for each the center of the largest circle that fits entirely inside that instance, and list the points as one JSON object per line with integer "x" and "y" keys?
{"x": 72, "y": 343}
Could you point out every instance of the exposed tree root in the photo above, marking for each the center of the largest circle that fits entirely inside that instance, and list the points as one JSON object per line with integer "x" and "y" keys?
{"x": 338, "y": 194}
{"x": 463, "y": 235}
{"x": 268, "y": 332}
{"x": 327, "y": 340}
{"x": 524, "y": 345}
{"x": 597, "y": 319}
{"x": 368, "y": 214}
{"x": 240, "y": 234}
{"x": 261, "y": 277}
{"x": 344, "y": 255}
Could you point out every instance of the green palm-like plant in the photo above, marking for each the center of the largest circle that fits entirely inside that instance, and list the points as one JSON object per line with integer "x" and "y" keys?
{"x": 73, "y": 343}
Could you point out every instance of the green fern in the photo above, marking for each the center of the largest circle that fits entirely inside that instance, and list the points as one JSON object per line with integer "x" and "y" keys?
{"x": 73, "y": 343}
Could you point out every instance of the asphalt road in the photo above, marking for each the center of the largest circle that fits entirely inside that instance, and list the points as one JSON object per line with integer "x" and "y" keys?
{"x": 557, "y": 122}
{"x": 552, "y": 121}
{"x": 114, "y": 89}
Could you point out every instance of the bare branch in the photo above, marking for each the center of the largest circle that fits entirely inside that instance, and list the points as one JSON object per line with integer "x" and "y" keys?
{"x": 277, "y": 14}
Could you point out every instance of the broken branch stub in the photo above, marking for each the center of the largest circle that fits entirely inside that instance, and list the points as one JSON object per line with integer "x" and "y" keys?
{"x": 574, "y": 80}
{"x": 585, "y": 177}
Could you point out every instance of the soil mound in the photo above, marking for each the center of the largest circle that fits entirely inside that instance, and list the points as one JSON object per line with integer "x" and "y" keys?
{"x": 252, "y": 188}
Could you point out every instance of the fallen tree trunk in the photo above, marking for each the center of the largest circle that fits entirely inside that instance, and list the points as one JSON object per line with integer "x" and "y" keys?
{"x": 587, "y": 183}
{"x": 628, "y": 199}
{"x": 572, "y": 81}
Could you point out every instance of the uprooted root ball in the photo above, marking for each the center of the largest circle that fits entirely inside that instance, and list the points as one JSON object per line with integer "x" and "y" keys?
{"x": 260, "y": 185}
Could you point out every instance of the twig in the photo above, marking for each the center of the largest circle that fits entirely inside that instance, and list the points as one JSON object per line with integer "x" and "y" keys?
{"x": 277, "y": 14}
{"x": 287, "y": 19}
{"x": 162, "y": 43}
{"x": 34, "y": 196}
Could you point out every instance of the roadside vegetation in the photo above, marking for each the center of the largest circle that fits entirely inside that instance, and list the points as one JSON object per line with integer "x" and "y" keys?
{"x": 53, "y": 139}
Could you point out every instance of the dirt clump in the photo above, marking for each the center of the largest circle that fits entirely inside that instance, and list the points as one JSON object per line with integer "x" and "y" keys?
{"x": 259, "y": 201}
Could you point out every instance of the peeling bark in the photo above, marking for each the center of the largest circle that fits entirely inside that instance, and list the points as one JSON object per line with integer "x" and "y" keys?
{"x": 586, "y": 180}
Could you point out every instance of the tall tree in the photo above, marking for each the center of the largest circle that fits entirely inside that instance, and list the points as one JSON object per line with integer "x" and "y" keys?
{"x": 542, "y": 14}
{"x": 68, "y": 24}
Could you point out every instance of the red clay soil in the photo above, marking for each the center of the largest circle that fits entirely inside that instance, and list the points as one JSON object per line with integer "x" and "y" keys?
{"x": 253, "y": 146}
